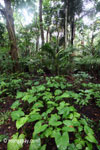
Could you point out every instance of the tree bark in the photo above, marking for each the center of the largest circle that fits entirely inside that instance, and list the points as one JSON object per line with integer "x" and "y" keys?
{"x": 47, "y": 39}
{"x": 41, "y": 21}
{"x": 92, "y": 41}
{"x": 66, "y": 24}
{"x": 11, "y": 30}
{"x": 37, "y": 43}
{"x": 72, "y": 32}
{"x": 50, "y": 36}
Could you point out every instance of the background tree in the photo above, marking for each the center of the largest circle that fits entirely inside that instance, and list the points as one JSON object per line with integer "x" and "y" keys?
{"x": 41, "y": 21}
{"x": 7, "y": 12}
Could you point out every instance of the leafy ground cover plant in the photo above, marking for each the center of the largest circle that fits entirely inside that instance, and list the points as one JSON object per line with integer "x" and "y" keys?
{"x": 9, "y": 84}
{"x": 4, "y": 117}
{"x": 94, "y": 90}
{"x": 80, "y": 76}
{"x": 44, "y": 108}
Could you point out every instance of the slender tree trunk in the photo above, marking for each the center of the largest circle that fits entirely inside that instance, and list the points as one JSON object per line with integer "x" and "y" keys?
{"x": 66, "y": 24}
{"x": 50, "y": 36}
{"x": 92, "y": 41}
{"x": 37, "y": 43}
{"x": 58, "y": 40}
{"x": 47, "y": 39}
{"x": 41, "y": 21}
{"x": 11, "y": 30}
{"x": 72, "y": 32}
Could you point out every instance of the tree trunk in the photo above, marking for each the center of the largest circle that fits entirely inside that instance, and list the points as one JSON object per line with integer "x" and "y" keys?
{"x": 92, "y": 41}
{"x": 47, "y": 39}
{"x": 37, "y": 43}
{"x": 66, "y": 25}
{"x": 41, "y": 21}
{"x": 11, "y": 30}
{"x": 50, "y": 36}
{"x": 72, "y": 32}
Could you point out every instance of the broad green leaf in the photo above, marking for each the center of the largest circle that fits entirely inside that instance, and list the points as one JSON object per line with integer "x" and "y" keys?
{"x": 72, "y": 109}
{"x": 57, "y": 98}
{"x": 63, "y": 86}
{"x": 20, "y": 95}
{"x": 16, "y": 143}
{"x": 54, "y": 120}
{"x": 83, "y": 121}
{"x": 32, "y": 99}
{"x": 76, "y": 122}
{"x": 34, "y": 117}
{"x": 57, "y": 92}
{"x": 21, "y": 140}
{"x": 63, "y": 109}
{"x": 48, "y": 131}
{"x": 80, "y": 128}
{"x": 87, "y": 130}
{"x": 26, "y": 97}
{"x": 38, "y": 105}
{"x": 40, "y": 88}
{"x": 45, "y": 114}
{"x": 39, "y": 127}
{"x": 34, "y": 111}
{"x": 79, "y": 146}
{"x": 68, "y": 129}
{"x": 91, "y": 138}
{"x": 15, "y": 104}
{"x": 62, "y": 141}
{"x": 79, "y": 141}
{"x": 36, "y": 83}
{"x": 35, "y": 144}
{"x": 65, "y": 95}
{"x": 52, "y": 103}
{"x": 21, "y": 122}
{"x": 68, "y": 123}
{"x": 12, "y": 145}
{"x": 77, "y": 115}
{"x": 70, "y": 116}
{"x": 47, "y": 96}
{"x": 17, "y": 114}
{"x": 72, "y": 147}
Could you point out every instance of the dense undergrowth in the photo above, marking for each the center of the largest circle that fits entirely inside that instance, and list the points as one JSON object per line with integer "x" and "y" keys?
{"x": 44, "y": 111}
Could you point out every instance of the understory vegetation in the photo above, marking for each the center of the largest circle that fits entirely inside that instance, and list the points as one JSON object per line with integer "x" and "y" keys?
{"x": 49, "y": 75}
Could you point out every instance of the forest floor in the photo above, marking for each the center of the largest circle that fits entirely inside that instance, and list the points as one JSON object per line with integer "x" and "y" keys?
{"x": 9, "y": 127}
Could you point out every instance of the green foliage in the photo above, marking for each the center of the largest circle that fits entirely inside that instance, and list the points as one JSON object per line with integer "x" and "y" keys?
{"x": 16, "y": 142}
{"x": 52, "y": 116}
{"x": 4, "y": 116}
{"x": 62, "y": 141}
{"x": 82, "y": 76}
{"x": 2, "y": 30}
{"x": 17, "y": 114}
{"x": 57, "y": 60}
{"x": 9, "y": 84}
{"x": 93, "y": 90}
{"x": 35, "y": 144}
